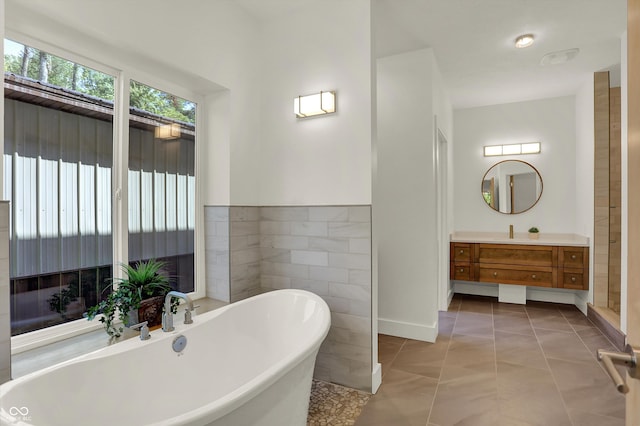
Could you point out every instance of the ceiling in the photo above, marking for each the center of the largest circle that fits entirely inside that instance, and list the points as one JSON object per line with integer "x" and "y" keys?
{"x": 473, "y": 41}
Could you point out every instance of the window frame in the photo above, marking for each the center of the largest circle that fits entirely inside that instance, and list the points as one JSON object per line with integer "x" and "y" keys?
{"x": 119, "y": 187}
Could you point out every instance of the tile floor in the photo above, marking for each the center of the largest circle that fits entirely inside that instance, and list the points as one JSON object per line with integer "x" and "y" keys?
{"x": 497, "y": 364}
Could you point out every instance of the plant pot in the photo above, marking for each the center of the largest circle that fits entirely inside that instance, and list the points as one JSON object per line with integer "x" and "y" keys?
{"x": 151, "y": 311}
{"x": 534, "y": 235}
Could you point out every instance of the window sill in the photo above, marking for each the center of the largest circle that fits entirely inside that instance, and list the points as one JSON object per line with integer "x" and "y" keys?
{"x": 43, "y": 348}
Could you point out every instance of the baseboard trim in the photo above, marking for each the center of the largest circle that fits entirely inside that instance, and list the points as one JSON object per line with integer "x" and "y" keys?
{"x": 376, "y": 378}
{"x": 425, "y": 333}
{"x": 617, "y": 337}
{"x": 567, "y": 297}
{"x": 476, "y": 289}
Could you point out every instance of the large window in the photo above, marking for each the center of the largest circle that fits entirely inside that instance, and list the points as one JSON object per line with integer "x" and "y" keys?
{"x": 162, "y": 181}
{"x": 58, "y": 168}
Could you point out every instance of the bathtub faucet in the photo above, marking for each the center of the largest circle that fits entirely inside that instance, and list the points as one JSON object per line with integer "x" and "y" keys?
{"x": 167, "y": 315}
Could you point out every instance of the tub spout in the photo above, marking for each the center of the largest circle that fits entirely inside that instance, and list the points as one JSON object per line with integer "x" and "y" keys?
{"x": 167, "y": 315}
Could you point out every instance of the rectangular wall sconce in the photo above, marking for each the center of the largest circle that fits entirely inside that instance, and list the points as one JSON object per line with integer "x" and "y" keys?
{"x": 512, "y": 149}
{"x": 315, "y": 104}
{"x": 168, "y": 131}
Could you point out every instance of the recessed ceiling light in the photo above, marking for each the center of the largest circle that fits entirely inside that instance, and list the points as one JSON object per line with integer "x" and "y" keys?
{"x": 523, "y": 41}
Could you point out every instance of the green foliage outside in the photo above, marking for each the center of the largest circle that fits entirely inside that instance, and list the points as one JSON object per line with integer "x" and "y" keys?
{"x": 41, "y": 66}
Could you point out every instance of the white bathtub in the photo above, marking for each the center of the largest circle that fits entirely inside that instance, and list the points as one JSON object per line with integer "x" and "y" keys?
{"x": 248, "y": 363}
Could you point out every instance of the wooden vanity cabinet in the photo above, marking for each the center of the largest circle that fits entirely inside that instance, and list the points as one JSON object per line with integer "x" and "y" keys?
{"x": 573, "y": 268}
{"x": 521, "y": 264}
{"x": 461, "y": 265}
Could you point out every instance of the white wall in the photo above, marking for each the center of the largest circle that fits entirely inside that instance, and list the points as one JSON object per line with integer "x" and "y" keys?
{"x": 323, "y": 160}
{"x": 550, "y": 121}
{"x": 408, "y": 96}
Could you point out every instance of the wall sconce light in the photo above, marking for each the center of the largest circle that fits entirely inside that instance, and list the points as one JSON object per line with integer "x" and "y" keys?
{"x": 168, "y": 131}
{"x": 512, "y": 149}
{"x": 315, "y": 104}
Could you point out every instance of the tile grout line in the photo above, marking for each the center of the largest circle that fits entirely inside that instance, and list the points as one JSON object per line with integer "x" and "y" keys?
{"x": 546, "y": 360}
{"x": 589, "y": 350}
{"x": 495, "y": 358}
{"x": 435, "y": 393}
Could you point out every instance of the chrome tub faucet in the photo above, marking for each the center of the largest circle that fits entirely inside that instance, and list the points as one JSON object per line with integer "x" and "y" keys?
{"x": 167, "y": 315}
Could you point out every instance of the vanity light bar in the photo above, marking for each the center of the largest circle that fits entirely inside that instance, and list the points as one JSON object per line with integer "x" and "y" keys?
{"x": 512, "y": 149}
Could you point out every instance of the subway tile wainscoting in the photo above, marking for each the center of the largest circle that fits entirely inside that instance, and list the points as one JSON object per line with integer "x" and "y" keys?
{"x": 322, "y": 249}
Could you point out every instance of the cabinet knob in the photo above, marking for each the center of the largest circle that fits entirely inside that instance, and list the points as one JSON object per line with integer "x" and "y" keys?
{"x": 573, "y": 279}
{"x": 461, "y": 269}
{"x": 533, "y": 276}
{"x": 495, "y": 274}
{"x": 461, "y": 251}
{"x": 573, "y": 256}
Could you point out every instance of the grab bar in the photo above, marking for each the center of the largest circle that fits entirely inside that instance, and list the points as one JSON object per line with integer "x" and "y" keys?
{"x": 629, "y": 358}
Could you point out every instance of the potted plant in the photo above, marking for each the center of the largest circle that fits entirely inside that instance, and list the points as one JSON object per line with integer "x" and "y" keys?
{"x": 534, "y": 233}
{"x": 137, "y": 297}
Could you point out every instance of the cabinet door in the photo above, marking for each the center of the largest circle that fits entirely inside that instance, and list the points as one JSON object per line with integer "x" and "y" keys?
{"x": 519, "y": 275}
{"x": 460, "y": 252}
{"x": 573, "y": 257}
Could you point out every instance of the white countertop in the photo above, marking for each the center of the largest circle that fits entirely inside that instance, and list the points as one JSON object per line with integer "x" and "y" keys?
{"x": 548, "y": 239}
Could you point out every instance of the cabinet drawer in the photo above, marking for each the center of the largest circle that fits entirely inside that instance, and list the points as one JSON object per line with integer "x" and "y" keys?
{"x": 461, "y": 271}
{"x": 572, "y": 257}
{"x": 460, "y": 252}
{"x": 573, "y": 279}
{"x": 517, "y": 254}
{"x": 540, "y": 277}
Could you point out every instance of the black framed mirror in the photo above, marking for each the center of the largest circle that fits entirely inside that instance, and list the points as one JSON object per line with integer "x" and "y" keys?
{"x": 511, "y": 186}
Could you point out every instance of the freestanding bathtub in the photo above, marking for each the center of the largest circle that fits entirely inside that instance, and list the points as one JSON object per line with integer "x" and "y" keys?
{"x": 248, "y": 363}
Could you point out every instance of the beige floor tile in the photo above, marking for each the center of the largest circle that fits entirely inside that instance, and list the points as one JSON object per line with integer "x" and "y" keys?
{"x": 501, "y": 365}
{"x": 552, "y": 323}
{"x": 585, "y": 387}
{"x": 561, "y": 345}
{"x": 506, "y": 308}
{"x": 403, "y": 399}
{"x": 421, "y": 358}
{"x": 466, "y": 401}
{"x": 513, "y": 324}
{"x": 476, "y": 306}
{"x": 519, "y": 349}
{"x": 590, "y": 419}
{"x": 474, "y": 324}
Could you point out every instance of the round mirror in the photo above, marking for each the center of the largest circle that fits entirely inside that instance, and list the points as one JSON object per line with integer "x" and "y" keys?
{"x": 511, "y": 186}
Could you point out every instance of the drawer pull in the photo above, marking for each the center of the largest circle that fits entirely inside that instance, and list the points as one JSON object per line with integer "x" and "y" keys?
{"x": 461, "y": 251}
{"x": 461, "y": 270}
{"x": 573, "y": 279}
{"x": 573, "y": 256}
{"x": 533, "y": 276}
{"x": 495, "y": 274}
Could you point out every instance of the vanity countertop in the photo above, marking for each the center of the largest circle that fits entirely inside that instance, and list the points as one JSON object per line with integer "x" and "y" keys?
{"x": 548, "y": 239}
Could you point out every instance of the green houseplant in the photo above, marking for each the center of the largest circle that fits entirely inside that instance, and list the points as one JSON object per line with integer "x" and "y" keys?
{"x": 534, "y": 233}
{"x": 145, "y": 283}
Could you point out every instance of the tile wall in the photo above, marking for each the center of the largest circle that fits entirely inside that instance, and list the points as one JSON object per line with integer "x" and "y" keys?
{"x": 322, "y": 249}
{"x": 217, "y": 273}
{"x": 244, "y": 246}
{"x": 5, "y": 322}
